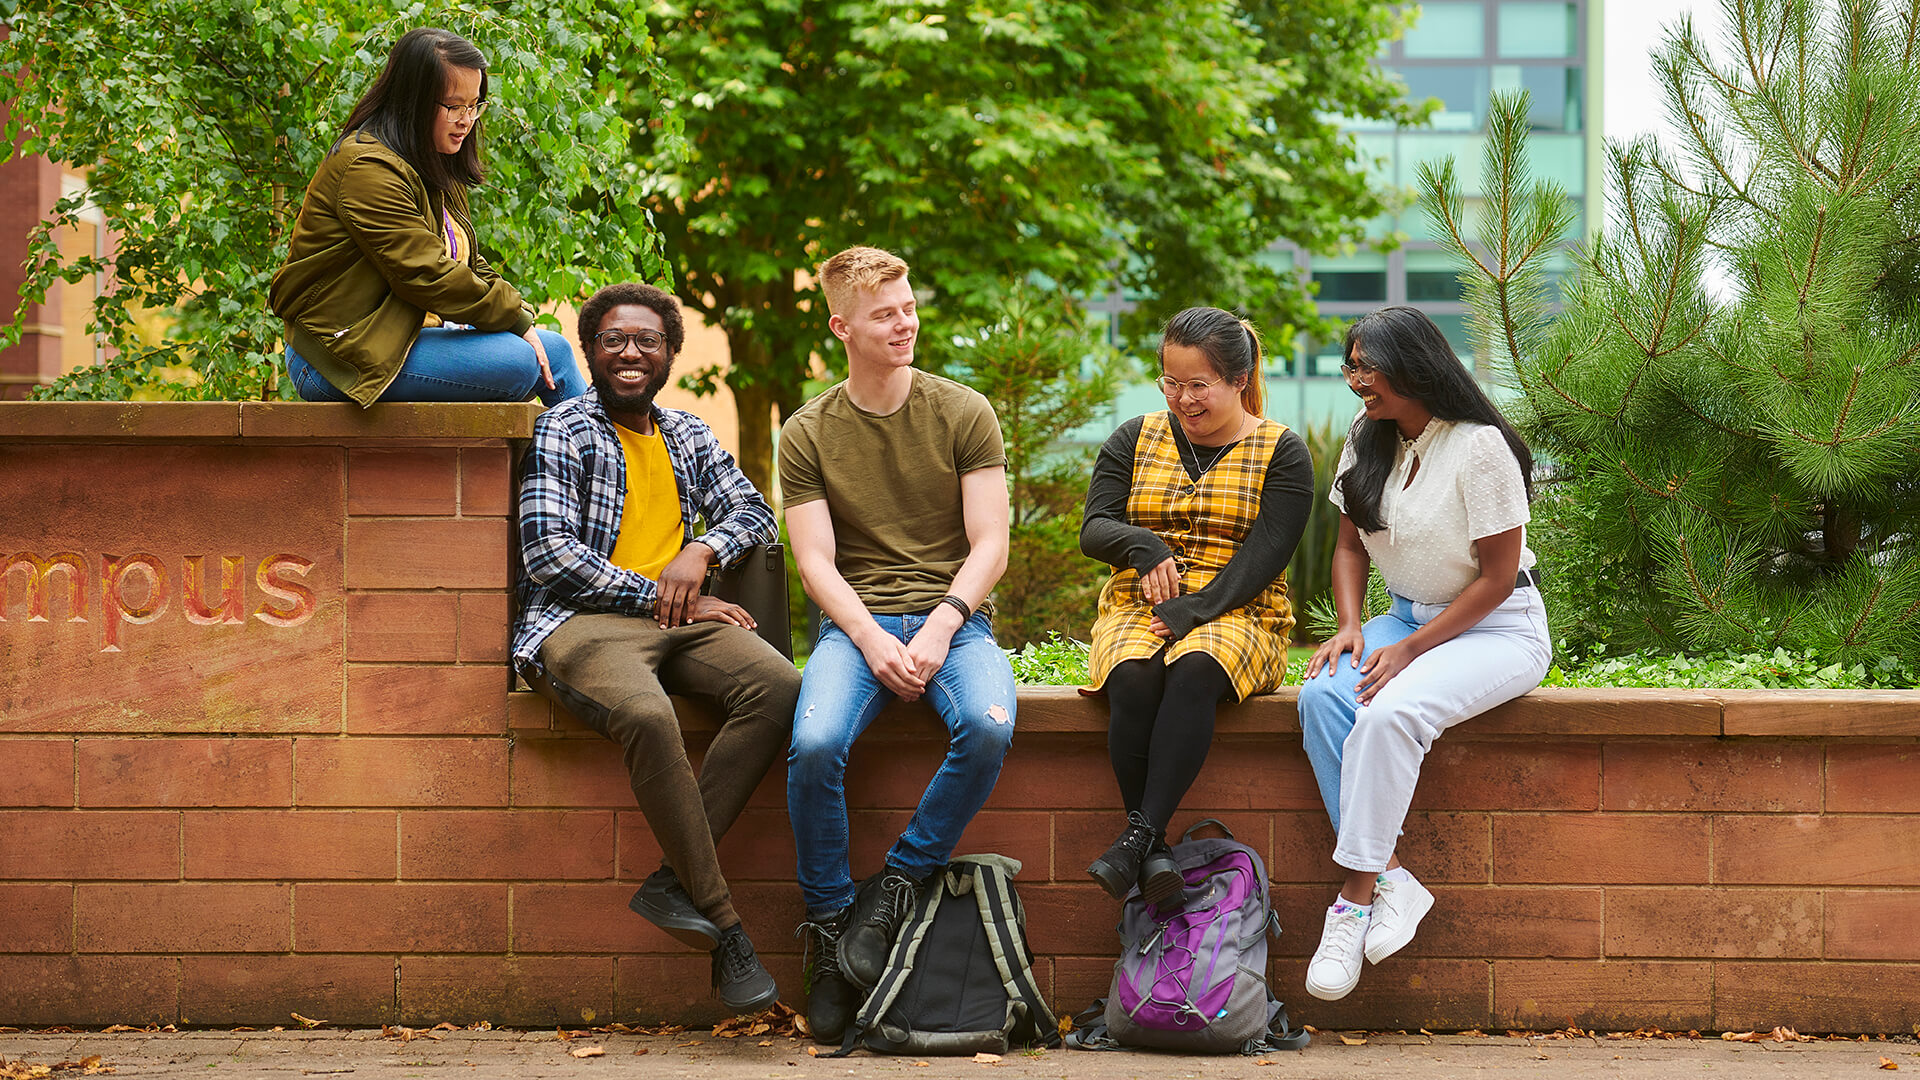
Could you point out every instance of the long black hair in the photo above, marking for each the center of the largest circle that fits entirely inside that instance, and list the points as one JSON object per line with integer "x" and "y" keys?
{"x": 398, "y": 109}
{"x": 1404, "y": 347}
{"x": 1229, "y": 344}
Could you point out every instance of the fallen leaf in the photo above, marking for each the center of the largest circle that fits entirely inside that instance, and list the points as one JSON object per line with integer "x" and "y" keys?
{"x": 984, "y": 1058}
{"x": 923, "y": 1064}
{"x": 304, "y": 1022}
{"x": 445, "y": 1026}
{"x": 1351, "y": 1041}
{"x": 116, "y": 1029}
{"x": 640, "y": 1051}
{"x": 235, "y": 1029}
{"x": 764, "y": 1042}
{"x": 1424, "y": 1031}
{"x": 692, "y": 1042}
{"x": 1889, "y": 1063}
{"x": 1066, "y": 1026}
{"x": 1262, "y": 1061}
{"x": 813, "y": 1051}
{"x": 588, "y": 1051}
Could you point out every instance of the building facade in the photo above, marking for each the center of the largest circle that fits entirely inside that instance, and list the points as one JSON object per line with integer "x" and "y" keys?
{"x": 1459, "y": 52}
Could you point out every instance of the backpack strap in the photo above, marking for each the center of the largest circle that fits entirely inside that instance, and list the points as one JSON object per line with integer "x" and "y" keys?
{"x": 1090, "y": 1030}
{"x": 1280, "y": 1033}
{"x": 1001, "y": 914}
{"x": 899, "y": 965}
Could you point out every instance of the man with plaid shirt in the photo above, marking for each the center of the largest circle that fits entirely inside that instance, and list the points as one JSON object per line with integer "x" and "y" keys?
{"x": 612, "y": 619}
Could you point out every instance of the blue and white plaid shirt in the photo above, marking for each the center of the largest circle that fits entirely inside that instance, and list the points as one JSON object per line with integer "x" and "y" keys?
{"x": 571, "y": 494}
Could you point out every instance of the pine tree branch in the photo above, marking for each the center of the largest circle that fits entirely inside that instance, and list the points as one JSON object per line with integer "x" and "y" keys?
{"x": 1853, "y": 155}
{"x": 1813, "y": 256}
{"x": 1853, "y": 631}
{"x": 1706, "y": 597}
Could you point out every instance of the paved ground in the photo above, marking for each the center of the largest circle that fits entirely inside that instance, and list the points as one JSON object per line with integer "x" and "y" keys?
{"x": 500, "y": 1055}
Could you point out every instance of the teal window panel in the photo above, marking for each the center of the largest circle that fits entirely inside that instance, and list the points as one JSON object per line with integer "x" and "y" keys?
{"x": 1447, "y": 31}
{"x": 1538, "y": 31}
{"x": 1462, "y": 92}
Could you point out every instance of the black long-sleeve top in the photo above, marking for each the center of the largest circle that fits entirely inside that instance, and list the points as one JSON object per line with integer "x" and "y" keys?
{"x": 1286, "y": 495}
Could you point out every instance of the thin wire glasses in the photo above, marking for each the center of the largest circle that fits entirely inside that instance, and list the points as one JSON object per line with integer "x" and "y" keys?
{"x": 1195, "y": 388}
{"x": 614, "y": 341}
{"x": 465, "y": 112}
{"x": 1359, "y": 374}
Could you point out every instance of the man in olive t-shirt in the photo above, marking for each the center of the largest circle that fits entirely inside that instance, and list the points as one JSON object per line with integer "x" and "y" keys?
{"x": 896, "y": 499}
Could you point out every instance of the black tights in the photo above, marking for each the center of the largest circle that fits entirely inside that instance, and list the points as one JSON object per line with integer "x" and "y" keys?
{"x": 1159, "y": 727}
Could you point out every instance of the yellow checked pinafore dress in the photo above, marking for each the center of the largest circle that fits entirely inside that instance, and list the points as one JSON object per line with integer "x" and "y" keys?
{"x": 1203, "y": 523}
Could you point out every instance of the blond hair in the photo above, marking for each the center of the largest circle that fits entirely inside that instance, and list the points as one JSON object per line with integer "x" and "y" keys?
{"x": 857, "y": 270}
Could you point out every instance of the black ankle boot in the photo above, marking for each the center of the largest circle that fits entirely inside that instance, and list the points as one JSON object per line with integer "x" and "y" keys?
{"x": 1119, "y": 868}
{"x": 831, "y": 999}
{"x": 1160, "y": 879}
{"x": 879, "y": 909}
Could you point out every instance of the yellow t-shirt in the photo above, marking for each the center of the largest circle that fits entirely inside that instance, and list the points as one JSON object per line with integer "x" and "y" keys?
{"x": 650, "y": 524}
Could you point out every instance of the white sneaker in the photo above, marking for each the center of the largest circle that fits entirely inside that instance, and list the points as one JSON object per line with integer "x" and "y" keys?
{"x": 1398, "y": 907}
{"x": 1335, "y": 968}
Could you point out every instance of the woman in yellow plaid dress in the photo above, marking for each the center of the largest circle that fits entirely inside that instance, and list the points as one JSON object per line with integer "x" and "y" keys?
{"x": 1198, "y": 510}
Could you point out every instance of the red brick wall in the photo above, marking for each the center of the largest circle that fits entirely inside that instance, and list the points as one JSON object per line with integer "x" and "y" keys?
{"x": 441, "y": 849}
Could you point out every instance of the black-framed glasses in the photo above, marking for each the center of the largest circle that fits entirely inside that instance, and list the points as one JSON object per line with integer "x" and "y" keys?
{"x": 1195, "y": 388}
{"x": 465, "y": 112}
{"x": 614, "y": 341}
{"x": 1358, "y": 374}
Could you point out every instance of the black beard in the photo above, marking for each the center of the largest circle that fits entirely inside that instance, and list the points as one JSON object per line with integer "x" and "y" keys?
{"x": 621, "y": 399}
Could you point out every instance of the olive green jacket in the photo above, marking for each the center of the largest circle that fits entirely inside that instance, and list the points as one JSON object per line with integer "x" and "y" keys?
{"x": 368, "y": 261}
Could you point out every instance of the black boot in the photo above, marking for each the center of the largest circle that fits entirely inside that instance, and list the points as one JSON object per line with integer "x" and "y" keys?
{"x": 1119, "y": 868}
{"x": 1160, "y": 879}
{"x": 742, "y": 982}
{"x": 831, "y": 999}
{"x": 879, "y": 909}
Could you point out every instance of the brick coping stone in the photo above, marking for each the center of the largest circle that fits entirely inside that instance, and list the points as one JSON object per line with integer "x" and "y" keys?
{"x": 117, "y": 421}
{"x": 1548, "y": 711}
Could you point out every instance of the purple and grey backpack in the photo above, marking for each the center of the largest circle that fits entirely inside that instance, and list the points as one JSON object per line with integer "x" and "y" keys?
{"x": 1192, "y": 976}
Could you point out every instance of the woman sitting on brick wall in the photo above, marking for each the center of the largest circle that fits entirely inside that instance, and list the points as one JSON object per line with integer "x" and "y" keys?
{"x": 1198, "y": 509}
{"x": 384, "y": 240}
{"x": 1432, "y": 489}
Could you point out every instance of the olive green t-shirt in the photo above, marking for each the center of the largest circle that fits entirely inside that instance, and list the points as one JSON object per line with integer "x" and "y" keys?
{"x": 892, "y": 485}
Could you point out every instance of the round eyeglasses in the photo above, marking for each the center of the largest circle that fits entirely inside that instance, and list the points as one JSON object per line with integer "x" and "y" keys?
{"x": 1194, "y": 388}
{"x": 464, "y": 112}
{"x": 1359, "y": 374}
{"x": 614, "y": 341}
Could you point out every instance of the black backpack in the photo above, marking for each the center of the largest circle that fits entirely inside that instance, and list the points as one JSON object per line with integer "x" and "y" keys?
{"x": 960, "y": 978}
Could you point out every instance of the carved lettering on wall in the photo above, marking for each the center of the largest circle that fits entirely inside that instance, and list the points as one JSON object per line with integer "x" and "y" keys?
{"x": 136, "y": 590}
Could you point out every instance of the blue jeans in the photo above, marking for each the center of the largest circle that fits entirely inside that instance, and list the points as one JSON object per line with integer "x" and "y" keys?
{"x": 839, "y": 697}
{"x": 463, "y": 365}
{"x": 1367, "y": 758}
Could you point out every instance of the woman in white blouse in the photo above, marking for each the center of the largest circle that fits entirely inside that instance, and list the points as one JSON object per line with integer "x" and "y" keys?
{"x": 1432, "y": 488}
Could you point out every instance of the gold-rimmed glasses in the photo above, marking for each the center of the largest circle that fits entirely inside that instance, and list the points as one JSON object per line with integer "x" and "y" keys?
{"x": 1193, "y": 388}
{"x": 1359, "y": 373}
{"x": 465, "y": 112}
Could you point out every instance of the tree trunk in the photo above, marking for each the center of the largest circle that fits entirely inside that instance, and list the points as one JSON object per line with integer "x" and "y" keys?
{"x": 755, "y": 408}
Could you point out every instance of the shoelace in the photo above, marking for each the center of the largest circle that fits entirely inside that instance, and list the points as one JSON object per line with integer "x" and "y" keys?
{"x": 736, "y": 958}
{"x": 1344, "y": 928}
{"x": 827, "y": 936}
{"x": 896, "y": 897}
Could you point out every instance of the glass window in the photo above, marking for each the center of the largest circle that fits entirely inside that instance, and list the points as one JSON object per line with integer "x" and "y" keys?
{"x": 1447, "y": 31}
{"x": 1561, "y": 159}
{"x": 1432, "y": 278}
{"x": 1454, "y": 328}
{"x": 1359, "y": 277}
{"x": 1462, "y": 92}
{"x": 1417, "y": 148}
{"x": 1555, "y": 94}
{"x": 1420, "y": 227}
{"x": 1325, "y": 360}
{"x": 1530, "y": 30}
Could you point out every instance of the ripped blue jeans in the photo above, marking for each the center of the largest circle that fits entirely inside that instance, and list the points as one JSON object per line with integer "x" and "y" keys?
{"x": 839, "y": 697}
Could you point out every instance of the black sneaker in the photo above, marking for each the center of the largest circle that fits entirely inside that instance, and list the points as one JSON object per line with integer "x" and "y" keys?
{"x": 741, "y": 981}
{"x": 663, "y": 901}
{"x": 1119, "y": 868}
{"x": 831, "y": 1000}
{"x": 1160, "y": 877}
{"x": 878, "y": 910}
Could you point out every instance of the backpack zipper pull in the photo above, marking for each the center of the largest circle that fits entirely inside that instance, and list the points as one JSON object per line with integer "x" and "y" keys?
{"x": 1147, "y": 945}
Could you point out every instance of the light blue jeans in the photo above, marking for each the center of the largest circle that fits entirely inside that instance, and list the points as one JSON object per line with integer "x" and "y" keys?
{"x": 839, "y": 697}
{"x": 1367, "y": 758}
{"x": 463, "y": 365}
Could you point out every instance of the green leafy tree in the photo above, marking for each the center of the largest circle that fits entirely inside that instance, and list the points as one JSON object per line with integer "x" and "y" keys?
{"x": 199, "y": 123}
{"x": 1047, "y": 373}
{"x": 1729, "y": 471}
{"x": 1157, "y": 149}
